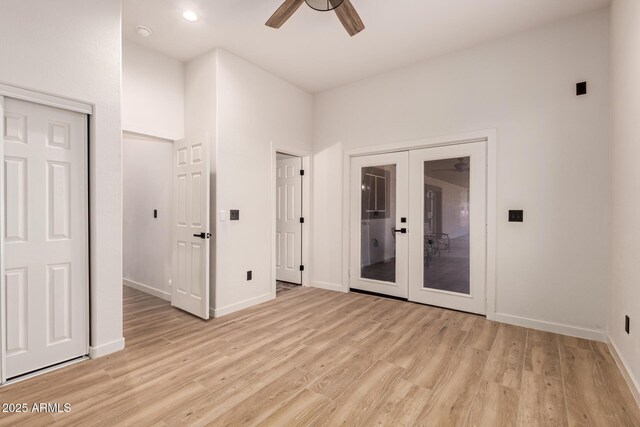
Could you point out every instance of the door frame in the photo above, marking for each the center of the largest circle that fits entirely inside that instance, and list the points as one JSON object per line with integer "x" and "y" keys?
{"x": 489, "y": 136}
{"x": 305, "y": 155}
{"x": 56, "y": 101}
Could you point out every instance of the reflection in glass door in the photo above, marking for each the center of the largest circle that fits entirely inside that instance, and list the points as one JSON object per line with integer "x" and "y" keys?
{"x": 447, "y": 243}
{"x": 379, "y": 224}
{"x": 446, "y": 224}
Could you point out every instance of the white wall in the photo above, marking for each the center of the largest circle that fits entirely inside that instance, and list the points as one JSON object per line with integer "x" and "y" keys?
{"x": 625, "y": 185}
{"x": 553, "y": 158}
{"x": 254, "y": 109}
{"x": 152, "y": 93}
{"x": 72, "y": 48}
{"x": 147, "y": 185}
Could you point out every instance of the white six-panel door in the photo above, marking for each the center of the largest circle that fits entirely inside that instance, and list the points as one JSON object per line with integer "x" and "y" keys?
{"x": 288, "y": 214}
{"x": 45, "y": 236}
{"x": 191, "y": 238}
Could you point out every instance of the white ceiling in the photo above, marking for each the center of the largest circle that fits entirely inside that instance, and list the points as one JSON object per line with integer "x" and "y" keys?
{"x": 314, "y": 52}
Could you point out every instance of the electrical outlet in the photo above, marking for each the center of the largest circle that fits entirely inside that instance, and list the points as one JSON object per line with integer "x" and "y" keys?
{"x": 249, "y": 275}
{"x": 627, "y": 325}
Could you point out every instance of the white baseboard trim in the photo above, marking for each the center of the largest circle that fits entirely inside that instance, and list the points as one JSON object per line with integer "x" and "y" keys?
{"x": 222, "y": 311}
{"x": 105, "y": 349}
{"x": 327, "y": 285}
{"x": 557, "y": 328}
{"x": 633, "y": 383}
{"x": 147, "y": 289}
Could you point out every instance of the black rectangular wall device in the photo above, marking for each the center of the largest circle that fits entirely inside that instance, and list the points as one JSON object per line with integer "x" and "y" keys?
{"x": 516, "y": 216}
{"x": 581, "y": 88}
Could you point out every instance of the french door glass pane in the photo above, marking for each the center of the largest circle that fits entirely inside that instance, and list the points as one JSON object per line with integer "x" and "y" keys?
{"x": 446, "y": 224}
{"x": 378, "y": 219}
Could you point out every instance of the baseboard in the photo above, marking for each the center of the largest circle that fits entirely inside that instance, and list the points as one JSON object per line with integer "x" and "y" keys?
{"x": 557, "y": 328}
{"x": 105, "y": 349}
{"x": 147, "y": 289}
{"x": 633, "y": 384}
{"x": 222, "y": 311}
{"x": 327, "y": 285}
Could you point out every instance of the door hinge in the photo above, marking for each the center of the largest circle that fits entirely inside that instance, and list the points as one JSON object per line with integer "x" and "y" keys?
{"x": 301, "y": 220}
{"x": 302, "y": 268}
{"x": 301, "y": 172}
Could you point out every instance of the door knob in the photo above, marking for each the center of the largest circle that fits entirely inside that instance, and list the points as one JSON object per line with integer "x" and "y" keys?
{"x": 203, "y": 235}
{"x": 400, "y": 230}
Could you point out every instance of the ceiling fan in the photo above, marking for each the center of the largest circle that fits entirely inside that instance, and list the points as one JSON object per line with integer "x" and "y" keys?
{"x": 460, "y": 166}
{"x": 344, "y": 9}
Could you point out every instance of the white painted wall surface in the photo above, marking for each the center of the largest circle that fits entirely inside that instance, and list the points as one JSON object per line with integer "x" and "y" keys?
{"x": 625, "y": 185}
{"x": 254, "y": 110}
{"x": 147, "y": 186}
{"x": 152, "y": 93}
{"x": 72, "y": 48}
{"x": 553, "y": 158}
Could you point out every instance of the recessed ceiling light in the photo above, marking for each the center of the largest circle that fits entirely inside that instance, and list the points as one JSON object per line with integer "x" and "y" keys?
{"x": 190, "y": 15}
{"x": 143, "y": 31}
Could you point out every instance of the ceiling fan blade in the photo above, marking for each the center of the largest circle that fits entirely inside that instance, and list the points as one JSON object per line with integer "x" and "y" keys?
{"x": 349, "y": 18}
{"x": 283, "y": 13}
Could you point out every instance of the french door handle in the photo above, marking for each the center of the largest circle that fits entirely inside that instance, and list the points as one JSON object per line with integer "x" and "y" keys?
{"x": 400, "y": 230}
{"x": 203, "y": 235}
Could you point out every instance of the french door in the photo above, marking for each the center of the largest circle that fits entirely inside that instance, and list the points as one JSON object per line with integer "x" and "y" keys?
{"x": 448, "y": 240}
{"x": 379, "y": 223}
{"x": 418, "y": 225}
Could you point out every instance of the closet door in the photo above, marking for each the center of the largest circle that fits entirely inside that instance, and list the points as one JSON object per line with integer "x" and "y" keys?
{"x": 45, "y": 236}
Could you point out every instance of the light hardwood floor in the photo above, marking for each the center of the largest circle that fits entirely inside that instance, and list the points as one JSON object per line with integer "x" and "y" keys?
{"x": 315, "y": 357}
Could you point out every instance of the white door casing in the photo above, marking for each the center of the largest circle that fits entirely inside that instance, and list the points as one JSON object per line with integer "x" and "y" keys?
{"x": 288, "y": 214}
{"x": 45, "y": 236}
{"x": 475, "y": 301}
{"x": 191, "y": 238}
{"x": 400, "y": 207}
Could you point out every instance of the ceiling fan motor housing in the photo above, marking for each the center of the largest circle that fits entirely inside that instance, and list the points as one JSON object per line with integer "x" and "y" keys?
{"x": 324, "y": 5}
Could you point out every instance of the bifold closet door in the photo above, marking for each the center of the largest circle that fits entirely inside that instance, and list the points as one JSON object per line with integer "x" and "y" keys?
{"x": 45, "y": 236}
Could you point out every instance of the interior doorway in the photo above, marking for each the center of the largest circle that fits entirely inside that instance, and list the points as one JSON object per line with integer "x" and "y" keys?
{"x": 289, "y": 222}
{"x": 418, "y": 225}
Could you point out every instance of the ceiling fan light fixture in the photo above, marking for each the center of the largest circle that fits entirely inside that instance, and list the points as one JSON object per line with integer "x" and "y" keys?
{"x": 324, "y": 5}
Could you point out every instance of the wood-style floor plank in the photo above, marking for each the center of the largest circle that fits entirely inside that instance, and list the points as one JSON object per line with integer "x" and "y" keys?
{"x": 316, "y": 357}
